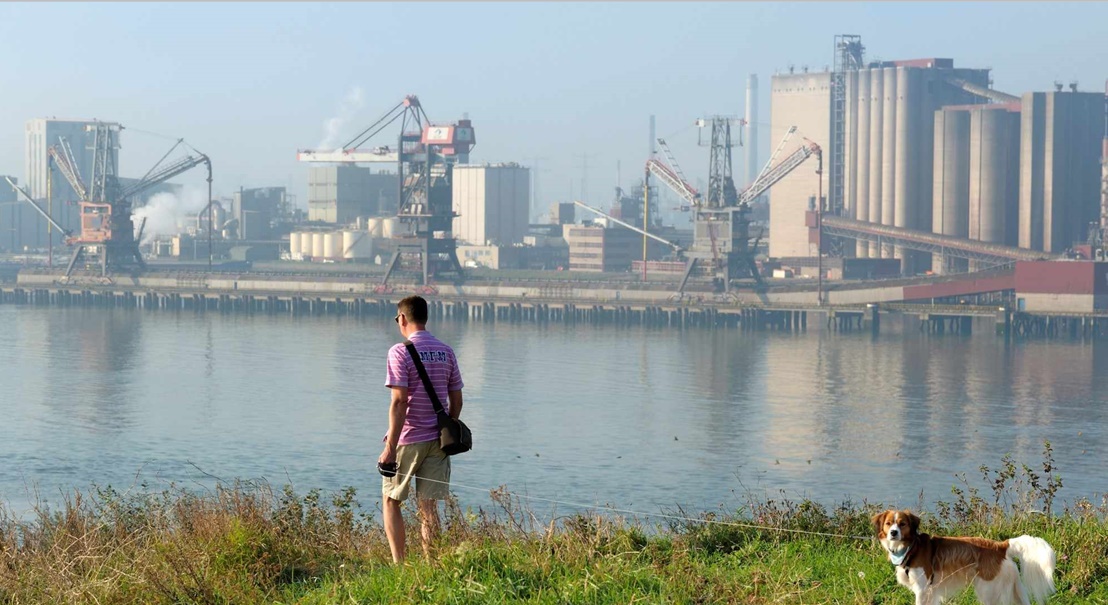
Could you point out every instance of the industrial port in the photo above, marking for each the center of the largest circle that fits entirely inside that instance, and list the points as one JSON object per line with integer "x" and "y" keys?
{"x": 893, "y": 186}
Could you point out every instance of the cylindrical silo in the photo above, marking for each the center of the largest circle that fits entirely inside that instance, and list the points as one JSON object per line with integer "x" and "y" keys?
{"x": 373, "y": 225}
{"x": 329, "y": 245}
{"x": 294, "y": 245}
{"x": 850, "y": 151}
{"x": 862, "y": 157}
{"x": 876, "y": 138}
{"x": 219, "y": 216}
{"x": 306, "y": 243}
{"x": 950, "y": 191}
{"x": 994, "y": 173}
{"x": 317, "y": 246}
{"x": 356, "y": 245}
{"x": 888, "y": 155}
{"x": 348, "y": 239}
{"x": 905, "y": 137}
{"x": 925, "y": 150}
{"x": 389, "y": 227}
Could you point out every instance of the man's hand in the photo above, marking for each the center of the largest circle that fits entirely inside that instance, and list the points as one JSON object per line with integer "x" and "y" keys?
{"x": 388, "y": 455}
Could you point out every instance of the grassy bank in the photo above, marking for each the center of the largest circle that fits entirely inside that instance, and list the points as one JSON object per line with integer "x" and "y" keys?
{"x": 249, "y": 544}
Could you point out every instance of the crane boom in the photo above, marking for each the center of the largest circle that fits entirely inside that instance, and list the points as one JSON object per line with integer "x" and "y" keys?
{"x": 26, "y": 196}
{"x": 166, "y": 173}
{"x": 380, "y": 154}
{"x": 672, "y": 160}
{"x": 776, "y": 152}
{"x": 686, "y": 191}
{"x": 672, "y": 176}
{"x": 63, "y": 158}
{"x": 768, "y": 178}
{"x": 676, "y": 247}
{"x": 409, "y": 111}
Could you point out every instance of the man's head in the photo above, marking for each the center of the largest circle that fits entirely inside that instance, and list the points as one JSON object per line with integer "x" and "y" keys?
{"x": 411, "y": 314}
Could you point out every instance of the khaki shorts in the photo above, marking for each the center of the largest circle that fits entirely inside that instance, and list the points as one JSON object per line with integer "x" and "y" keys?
{"x": 428, "y": 464}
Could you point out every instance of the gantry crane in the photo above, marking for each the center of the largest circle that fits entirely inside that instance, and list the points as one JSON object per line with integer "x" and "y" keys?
{"x": 425, "y": 156}
{"x": 107, "y": 229}
{"x": 722, "y": 248}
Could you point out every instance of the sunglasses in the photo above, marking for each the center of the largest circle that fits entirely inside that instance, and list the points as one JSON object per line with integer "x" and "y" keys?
{"x": 397, "y": 318}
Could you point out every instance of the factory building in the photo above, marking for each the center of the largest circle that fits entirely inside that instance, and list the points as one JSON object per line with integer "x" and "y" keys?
{"x": 601, "y": 249}
{"x": 975, "y": 191}
{"x": 9, "y": 216}
{"x": 802, "y": 100}
{"x": 923, "y": 145}
{"x": 562, "y": 213}
{"x": 493, "y": 202}
{"x": 256, "y": 212}
{"x": 342, "y": 194}
{"x": 1059, "y": 195}
{"x": 888, "y": 130}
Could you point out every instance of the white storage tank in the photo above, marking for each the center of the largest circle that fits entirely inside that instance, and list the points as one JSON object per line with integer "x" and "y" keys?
{"x": 306, "y": 243}
{"x": 390, "y": 227}
{"x": 317, "y": 246}
{"x": 329, "y": 245}
{"x": 294, "y": 245}
{"x": 373, "y": 225}
{"x": 356, "y": 245}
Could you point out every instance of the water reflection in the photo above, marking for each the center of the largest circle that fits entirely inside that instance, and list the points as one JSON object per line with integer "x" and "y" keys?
{"x": 97, "y": 355}
{"x": 602, "y": 414}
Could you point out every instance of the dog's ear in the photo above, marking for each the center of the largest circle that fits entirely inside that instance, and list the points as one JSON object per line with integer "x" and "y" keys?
{"x": 878, "y": 521}
{"x": 913, "y": 522}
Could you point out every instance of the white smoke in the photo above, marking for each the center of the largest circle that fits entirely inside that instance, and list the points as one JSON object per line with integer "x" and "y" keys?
{"x": 332, "y": 127}
{"x": 168, "y": 214}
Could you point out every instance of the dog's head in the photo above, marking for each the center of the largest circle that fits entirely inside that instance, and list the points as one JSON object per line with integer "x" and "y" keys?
{"x": 895, "y": 527}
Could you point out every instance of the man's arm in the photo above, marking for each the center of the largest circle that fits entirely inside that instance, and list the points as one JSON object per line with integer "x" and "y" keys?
{"x": 455, "y": 398}
{"x": 398, "y": 411}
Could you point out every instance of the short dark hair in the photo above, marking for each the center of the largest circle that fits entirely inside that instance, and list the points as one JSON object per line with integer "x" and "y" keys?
{"x": 414, "y": 308}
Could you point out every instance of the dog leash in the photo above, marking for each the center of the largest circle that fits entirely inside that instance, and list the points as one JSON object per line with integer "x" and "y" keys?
{"x": 657, "y": 515}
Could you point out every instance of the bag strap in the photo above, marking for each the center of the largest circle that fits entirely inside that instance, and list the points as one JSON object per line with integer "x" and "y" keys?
{"x": 424, "y": 377}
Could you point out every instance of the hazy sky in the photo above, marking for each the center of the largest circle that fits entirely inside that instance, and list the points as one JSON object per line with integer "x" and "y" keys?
{"x": 571, "y": 85}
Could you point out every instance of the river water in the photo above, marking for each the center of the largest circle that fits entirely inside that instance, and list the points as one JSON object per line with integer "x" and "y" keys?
{"x": 641, "y": 419}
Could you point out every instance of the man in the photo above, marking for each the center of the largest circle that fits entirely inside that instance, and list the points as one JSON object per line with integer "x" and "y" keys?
{"x": 413, "y": 438}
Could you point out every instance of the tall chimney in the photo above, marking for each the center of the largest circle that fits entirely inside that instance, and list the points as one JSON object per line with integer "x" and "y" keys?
{"x": 652, "y": 148}
{"x": 751, "y": 127}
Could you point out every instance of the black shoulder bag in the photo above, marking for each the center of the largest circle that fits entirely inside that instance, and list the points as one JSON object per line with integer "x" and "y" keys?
{"x": 454, "y": 435}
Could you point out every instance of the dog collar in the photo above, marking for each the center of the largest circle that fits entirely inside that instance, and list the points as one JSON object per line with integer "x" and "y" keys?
{"x": 902, "y": 557}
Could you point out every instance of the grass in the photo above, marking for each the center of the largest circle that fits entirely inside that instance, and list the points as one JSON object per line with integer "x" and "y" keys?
{"x": 249, "y": 544}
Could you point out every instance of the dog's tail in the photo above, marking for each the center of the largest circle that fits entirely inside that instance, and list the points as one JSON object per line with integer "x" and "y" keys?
{"x": 1036, "y": 562}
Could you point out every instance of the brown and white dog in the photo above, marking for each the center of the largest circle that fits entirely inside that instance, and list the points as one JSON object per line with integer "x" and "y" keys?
{"x": 936, "y": 568}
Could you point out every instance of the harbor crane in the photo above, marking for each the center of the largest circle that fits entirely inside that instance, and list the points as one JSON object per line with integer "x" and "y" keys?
{"x": 107, "y": 230}
{"x": 722, "y": 247}
{"x": 425, "y": 155}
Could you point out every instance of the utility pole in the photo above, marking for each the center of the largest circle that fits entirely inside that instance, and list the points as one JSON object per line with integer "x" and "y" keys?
{"x": 645, "y": 214}
{"x": 49, "y": 210}
{"x": 585, "y": 176}
{"x": 211, "y": 223}
{"x": 819, "y": 231}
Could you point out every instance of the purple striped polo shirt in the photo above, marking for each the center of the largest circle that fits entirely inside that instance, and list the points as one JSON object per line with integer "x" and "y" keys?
{"x": 442, "y": 368}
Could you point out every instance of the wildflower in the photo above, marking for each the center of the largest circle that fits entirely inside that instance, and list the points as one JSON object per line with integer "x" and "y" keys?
{"x": 861, "y": 575}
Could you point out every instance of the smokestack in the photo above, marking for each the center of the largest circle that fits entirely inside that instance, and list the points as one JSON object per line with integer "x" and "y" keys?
{"x": 652, "y": 148}
{"x": 751, "y": 127}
